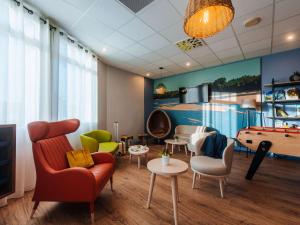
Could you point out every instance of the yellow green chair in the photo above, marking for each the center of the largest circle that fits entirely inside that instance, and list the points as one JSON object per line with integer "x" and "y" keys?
{"x": 99, "y": 141}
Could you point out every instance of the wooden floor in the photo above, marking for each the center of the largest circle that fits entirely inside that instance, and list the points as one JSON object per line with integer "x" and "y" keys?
{"x": 272, "y": 197}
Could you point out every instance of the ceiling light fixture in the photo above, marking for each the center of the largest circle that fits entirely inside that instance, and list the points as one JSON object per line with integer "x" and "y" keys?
{"x": 104, "y": 50}
{"x": 188, "y": 64}
{"x": 148, "y": 74}
{"x": 204, "y": 18}
{"x": 290, "y": 37}
{"x": 252, "y": 22}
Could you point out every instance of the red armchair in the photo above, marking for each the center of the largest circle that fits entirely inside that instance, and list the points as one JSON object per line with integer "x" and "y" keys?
{"x": 55, "y": 180}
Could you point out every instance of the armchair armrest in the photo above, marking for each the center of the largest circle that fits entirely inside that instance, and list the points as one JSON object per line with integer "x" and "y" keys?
{"x": 102, "y": 157}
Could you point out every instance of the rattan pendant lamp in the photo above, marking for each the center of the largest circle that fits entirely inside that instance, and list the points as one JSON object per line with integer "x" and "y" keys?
{"x": 204, "y": 18}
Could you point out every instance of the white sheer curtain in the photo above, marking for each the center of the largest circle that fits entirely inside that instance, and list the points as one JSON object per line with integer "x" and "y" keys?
{"x": 24, "y": 82}
{"x": 77, "y": 89}
{"x": 43, "y": 76}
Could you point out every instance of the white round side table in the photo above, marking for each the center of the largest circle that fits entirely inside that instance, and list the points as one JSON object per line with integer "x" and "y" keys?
{"x": 138, "y": 150}
{"x": 172, "y": 170}
{"x": 178, "y": 143}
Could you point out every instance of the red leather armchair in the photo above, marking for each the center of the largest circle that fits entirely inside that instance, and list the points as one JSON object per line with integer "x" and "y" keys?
{"x": 55, "y": 180}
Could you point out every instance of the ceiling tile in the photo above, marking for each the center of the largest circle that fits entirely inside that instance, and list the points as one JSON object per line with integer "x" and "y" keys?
{"x": 136, "y": 30}
{"x": 160, "y": 15}
{"x": 111, "y": 13}
{"x": 265, "y": 13}
{"x": 229, "y": 53}
{"x": 173, "y": 68}
{"x": 174, "y": 33}
{"x": 224, "y": 44}
{"x": 118, "y": 40}
{"x": 225, "y": 34}
{"x": 163, "y": 63}
{"x": 211, "y": 63}
{"x": 169, "y": 50}
{"x": 180, "y": 5}
{"x": 199, "y": 52}
{"x": 286, "y": 9}
{"x": 258, "y": 53}
{"x": 287, "y": 25}
{"x": 286, "y": 47}
{"x": 233, "y": 59}
{"x": 257, "y": 45}
{"x": 151, "y": 57}
{"x": 57, "y": 12}
{"x": 181, "y": 58}
{"x": 154, "y": 42}
{"x": 243, "y": 7}
{"x": 87, "y": 26}
{"x": 255, "y": 35}
{"x": 79, "y": 4}
{"x": 282, "y": 38}
{"x": 137, "y": 50}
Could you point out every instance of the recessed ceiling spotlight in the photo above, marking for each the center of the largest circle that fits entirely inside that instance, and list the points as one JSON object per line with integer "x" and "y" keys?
{"x": 252, "y": 22}
{"x": 188, "y": 64}
{"x": 290, "y": 37}
{"x": 148, "y": 74}
{"x": 104, "y": 50}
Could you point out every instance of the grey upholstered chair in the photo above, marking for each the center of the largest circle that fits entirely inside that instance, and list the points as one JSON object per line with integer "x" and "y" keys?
{"x": 211, "y": 167}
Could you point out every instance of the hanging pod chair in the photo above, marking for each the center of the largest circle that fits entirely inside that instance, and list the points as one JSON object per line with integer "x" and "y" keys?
{"x": 159, "y": 124}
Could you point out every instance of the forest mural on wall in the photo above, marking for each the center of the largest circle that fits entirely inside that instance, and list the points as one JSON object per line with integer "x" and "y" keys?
{"x": 229, "y": 85}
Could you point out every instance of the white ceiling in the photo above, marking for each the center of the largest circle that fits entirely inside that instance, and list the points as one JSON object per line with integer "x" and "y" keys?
{"x": 142, "y": 42}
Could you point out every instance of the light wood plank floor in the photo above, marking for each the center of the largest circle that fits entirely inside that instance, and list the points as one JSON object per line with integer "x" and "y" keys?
{"x": 273, "y": 197}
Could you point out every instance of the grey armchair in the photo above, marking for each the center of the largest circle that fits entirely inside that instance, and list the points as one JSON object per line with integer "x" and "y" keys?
{"x": 211, "y": 167}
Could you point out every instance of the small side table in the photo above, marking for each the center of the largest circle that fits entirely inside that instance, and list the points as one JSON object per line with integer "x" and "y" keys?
{"x": 144, "y": 139}
{"x": 128, "y": 140}
{"x": 175, "y": 168}
{"x": 178, "y": 143}
{"x": 138, "y": 150}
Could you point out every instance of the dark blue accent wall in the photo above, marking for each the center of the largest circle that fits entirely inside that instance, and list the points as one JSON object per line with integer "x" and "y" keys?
{"x": 148, "y": 98}
{"x": 280, "y": 66}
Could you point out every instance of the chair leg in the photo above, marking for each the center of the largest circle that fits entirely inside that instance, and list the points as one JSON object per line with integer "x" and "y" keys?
{"x": 221, "y": 187}
{"x": 36, "y": 204}
{"x": 111, "y": 183}
{"x": 194, "y": 179}
{"x": 92, "y": 212}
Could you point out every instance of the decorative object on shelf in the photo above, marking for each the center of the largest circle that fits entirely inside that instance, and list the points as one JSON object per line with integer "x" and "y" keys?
{"x": 280, "y": 112}
{"x": 165, "y": 157}
{"x": 285, "y": 125}
{"x": 292, "y": 93}
{"x": 204, "y": 18}
{"x": 278, "y": 124}
{"x": 295, "y": 76}
{"x": 268, "y": 95}
{"x": 160, "y": 89}
{"x": 280, "y": 95}
{"x": 248, "y": 104}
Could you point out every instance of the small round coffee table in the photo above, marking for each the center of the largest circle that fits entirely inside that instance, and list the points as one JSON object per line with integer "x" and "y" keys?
{"x": 175, "y": 168}
{"x": 138, "y": 150}
{"x": 178, "y": 143}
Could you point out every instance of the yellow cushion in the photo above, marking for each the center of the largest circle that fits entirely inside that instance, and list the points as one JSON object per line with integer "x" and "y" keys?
{"x": 80, "y": 158}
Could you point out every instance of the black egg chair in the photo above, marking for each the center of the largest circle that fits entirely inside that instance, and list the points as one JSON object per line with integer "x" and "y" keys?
{"x": 159, "y": 124}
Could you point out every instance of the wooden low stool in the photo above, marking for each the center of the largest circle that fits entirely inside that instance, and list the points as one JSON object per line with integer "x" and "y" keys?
{"x": 128, "y": 141}
{"x": 144, "y": 139}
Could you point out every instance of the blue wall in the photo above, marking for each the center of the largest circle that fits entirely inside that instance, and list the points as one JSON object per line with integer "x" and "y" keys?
{"x": 280, "y": 66}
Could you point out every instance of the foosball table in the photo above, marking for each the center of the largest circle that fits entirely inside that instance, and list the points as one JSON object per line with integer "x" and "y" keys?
{"x": 285, "y": 141}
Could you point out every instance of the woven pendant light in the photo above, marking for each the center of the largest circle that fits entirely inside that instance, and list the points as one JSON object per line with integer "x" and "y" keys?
{"x": 205, "y": 18}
